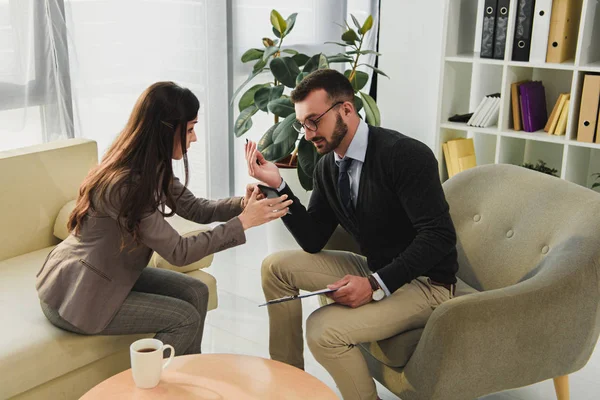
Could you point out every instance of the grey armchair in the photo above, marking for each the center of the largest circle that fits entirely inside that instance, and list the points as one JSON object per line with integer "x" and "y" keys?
{"x": 528, "y": 298}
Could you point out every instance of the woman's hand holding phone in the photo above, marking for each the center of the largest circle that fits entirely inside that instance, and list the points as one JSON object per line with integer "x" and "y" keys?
{"x": 258, "y": 212}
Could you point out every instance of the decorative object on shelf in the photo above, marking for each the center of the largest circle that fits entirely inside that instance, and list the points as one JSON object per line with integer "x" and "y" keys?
{"x": 459, "y": 155}
{"x": 541, "y": 167}
{"x": 281, "y": 142}
{"x": 589, "y": 117}
{"x": 486, "y": 113}
{"x": 597, "y": 183}
{"x": 523, "y": 29}
{"x": 564, "y": 28}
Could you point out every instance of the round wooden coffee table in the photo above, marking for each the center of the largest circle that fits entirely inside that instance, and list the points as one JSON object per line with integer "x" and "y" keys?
{"x": 219, "y": 376}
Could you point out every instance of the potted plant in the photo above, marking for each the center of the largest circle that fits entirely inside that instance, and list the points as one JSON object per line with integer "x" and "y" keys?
{"x": 541, "y": 167}
{"x": 281, "y": 143}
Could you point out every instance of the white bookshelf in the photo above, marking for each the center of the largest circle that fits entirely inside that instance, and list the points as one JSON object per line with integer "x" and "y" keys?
{"x": 466, "y": 79}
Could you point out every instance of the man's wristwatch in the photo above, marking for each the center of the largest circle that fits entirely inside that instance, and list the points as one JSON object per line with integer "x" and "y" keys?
{"x": 378, "y": 293}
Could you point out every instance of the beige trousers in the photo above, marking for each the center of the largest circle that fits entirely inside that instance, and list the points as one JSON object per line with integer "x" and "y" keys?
{"x": 333, "y": 331}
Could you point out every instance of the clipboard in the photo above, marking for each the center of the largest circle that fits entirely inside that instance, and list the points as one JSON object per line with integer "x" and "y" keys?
{"x": 296, "y": 297}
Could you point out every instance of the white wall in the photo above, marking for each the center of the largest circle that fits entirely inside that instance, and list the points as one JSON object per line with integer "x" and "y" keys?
{"x": 410, "y": 42}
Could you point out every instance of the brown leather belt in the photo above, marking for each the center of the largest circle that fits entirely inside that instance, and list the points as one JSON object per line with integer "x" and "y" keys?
{"x": 451, "y": 287}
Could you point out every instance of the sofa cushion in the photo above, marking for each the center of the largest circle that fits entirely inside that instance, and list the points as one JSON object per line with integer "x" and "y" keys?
{"x": 185, "y": 228}
{"x": 34, "y": 350}
{"x": 60, "y": 224}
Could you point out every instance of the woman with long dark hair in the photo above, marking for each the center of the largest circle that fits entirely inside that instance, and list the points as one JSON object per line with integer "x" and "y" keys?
{"x": 96, "y": 280}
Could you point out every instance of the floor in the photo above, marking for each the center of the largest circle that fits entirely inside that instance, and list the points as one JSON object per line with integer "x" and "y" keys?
{"x": 238, "y": 325}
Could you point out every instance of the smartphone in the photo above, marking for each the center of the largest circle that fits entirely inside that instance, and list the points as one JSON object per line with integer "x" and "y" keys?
{"x": 269, "y": 192}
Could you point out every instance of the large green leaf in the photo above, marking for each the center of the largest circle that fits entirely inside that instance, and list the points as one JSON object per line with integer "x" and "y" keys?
{"x": 289, "y": 51}
{"x": 364, "y": 52}
{"x": 275, "y": 151}
{"x": 356, "y": 23}
{"x": 300, "y": 59}
{"x": 376, "y": 70}
{"x": 358, "y": 103}
{"x": 243, "y": 122}
{"x": 269, "y": 51}
{"x": 285, "y": 133}
{"x": 339, "y": 58}
{"x": 371, "y": 109}
{"x": 278, "y": 22}
{"x": 301, "y": 76}
{"x": 359, "y": 80}
{"x": 247, "y": 98}
{"x": 252, "y": 54}
{"x": 338, "y": 43}
{"x": 367, "y": 25}
{"x": 252, "y": 75}
{"x": 285, "y": 70}
{"x": 308, "y": 157}
{"x": 323, "y": 63}
{"x": 318, "y": 61}
{"x": 276, "y": 32}
{"x": 259, "y": 66}
{"x": 290, "y": 21}
{"x": 281, "y": 107}
{"x": 264, "y": 95}
{"x": 350, "y": 36}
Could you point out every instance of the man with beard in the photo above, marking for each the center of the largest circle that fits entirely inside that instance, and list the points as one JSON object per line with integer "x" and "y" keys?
{"x": 383, "y": 188}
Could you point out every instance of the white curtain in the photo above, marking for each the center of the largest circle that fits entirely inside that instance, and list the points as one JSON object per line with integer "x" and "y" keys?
{"x": 35, "y": 99}
{"x": 76, "y": 67}
{"x": 317, "y": 22}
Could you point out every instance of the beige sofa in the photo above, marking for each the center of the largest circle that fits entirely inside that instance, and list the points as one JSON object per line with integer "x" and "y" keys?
{"x": 528, "y": 299}
{"x": 37, "y": 360}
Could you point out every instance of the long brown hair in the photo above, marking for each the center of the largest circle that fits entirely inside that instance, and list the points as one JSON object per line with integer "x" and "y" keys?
{"x": 140, "y": 159}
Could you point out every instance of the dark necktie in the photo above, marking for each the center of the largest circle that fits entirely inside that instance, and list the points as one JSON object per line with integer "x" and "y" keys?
{"x": 344, "y": 185}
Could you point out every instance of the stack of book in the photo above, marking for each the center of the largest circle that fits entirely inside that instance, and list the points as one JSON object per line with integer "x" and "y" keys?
{"x": 588, "y": 128}
{"x": 486, "y": 113}
{"x": 545, "y": 30}
{"x": 459, "y": 155}
{"x": 529, "y": 106}
{"x": 557, "y": 123}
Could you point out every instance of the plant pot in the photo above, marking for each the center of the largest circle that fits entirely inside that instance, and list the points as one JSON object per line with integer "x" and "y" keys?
{"x": 278, "y": 236}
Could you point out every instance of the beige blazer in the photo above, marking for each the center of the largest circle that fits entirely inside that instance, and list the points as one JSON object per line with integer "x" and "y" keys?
{"x": 87, "y": 277}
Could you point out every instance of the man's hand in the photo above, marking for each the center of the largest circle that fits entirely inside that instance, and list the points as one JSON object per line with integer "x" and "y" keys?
{"x": 261, "y": 169}
{"x": 354, "y": 291}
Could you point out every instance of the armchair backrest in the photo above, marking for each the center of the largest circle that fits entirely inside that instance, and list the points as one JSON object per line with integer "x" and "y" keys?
{"x": 509, "y": 218}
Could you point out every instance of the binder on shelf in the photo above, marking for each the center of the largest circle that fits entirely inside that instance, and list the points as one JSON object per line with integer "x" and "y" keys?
{"x": 540, "y": 31}
{"x": 556, "y": 111}
{"x": 533, "y": 106}
{"x": 588, "y": 114}
{"x": 564, "y": 27}
{"x": 523, "y": 27}
{"x": 500, "y": 30}
{"x": 488, "y": 29}
{"x": 516, "y": 105}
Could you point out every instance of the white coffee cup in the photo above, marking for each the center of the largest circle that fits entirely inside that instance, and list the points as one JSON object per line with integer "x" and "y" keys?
{"x": 147, "y": 361}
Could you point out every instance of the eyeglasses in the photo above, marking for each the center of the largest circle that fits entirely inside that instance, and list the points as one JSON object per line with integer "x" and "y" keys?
{"x": 311, "y": 124}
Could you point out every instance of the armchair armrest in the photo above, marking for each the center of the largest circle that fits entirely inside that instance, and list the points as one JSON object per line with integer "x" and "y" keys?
{"x": 540, "y": 328}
